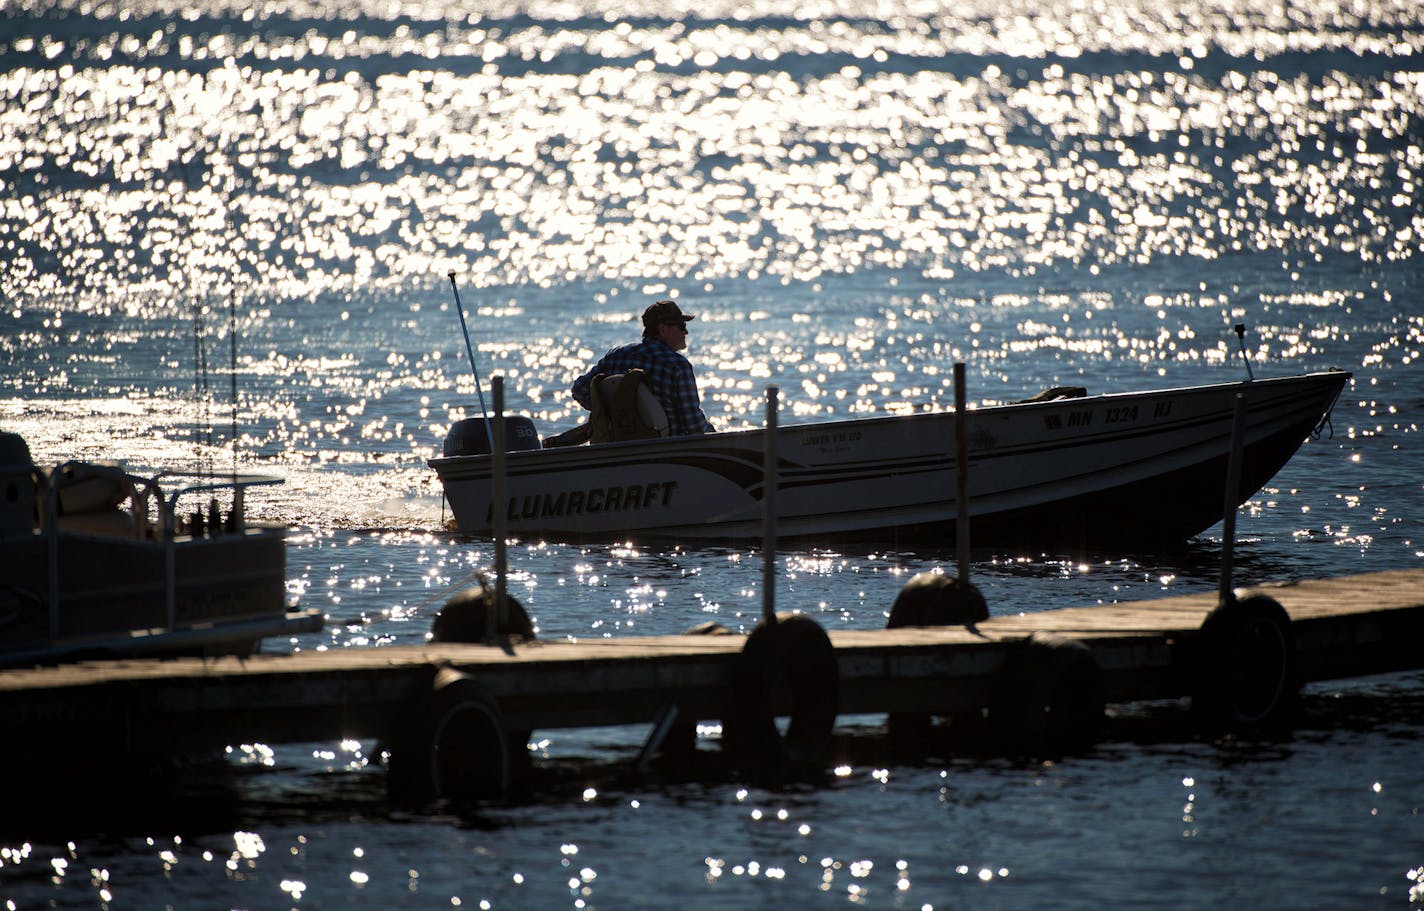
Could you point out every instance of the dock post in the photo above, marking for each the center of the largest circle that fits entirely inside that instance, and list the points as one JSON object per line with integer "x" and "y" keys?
{"x": 961, "y": 475}
{"x": 496, "y": 619}
{"x": 662, "y": 726}
{"x": 768, "y": 504}
{"x": 1233, "y": 485}
{"x": 1244, "y": 671}
{"x": 931, "y": 599}
{"x": 786, "y": 661}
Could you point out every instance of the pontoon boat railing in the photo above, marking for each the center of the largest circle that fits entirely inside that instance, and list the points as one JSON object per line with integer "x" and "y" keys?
{"x": 166, "y": 525}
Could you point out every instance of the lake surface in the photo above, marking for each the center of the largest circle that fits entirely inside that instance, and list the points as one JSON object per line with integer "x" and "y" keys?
{"x": 851, "y": 197}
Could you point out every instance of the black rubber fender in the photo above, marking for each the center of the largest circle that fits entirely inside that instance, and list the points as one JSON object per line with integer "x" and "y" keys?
{"x": 930, "y": 599}
{"x": 451, "y": 744}
{"x": 464, "y": 617}
{"x": 1047, "y": 697}
{"x": 787, "y": 668}
{"x": 1244, "y": 672}
{"x": 934, "y": 599}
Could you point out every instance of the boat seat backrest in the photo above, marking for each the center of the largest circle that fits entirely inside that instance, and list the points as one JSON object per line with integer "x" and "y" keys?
{"x": 1055, "y": 394}
{"x": 92, "y": 498}
{"x": 624, "y": 408}
{"x": 86, "y": 487}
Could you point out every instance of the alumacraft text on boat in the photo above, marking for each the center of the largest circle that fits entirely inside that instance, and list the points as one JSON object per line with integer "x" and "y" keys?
{"x": 580, "y": 502}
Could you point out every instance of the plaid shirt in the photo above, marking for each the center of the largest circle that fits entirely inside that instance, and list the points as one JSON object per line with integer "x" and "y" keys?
{"x": 668, "y": 373}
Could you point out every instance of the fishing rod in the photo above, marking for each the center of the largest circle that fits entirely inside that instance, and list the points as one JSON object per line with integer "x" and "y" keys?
{"x": 489, "y": 432}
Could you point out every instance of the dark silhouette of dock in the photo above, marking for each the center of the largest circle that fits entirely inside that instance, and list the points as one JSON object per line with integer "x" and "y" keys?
{"x": 451, "y": 710}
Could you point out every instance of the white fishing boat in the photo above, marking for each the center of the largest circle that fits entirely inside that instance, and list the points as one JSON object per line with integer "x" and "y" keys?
{"x": 96, "y": 562}
{"x": 1136, "y": 469}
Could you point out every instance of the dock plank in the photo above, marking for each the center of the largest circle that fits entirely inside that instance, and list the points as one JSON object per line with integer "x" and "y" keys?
{"x": 1347, "y": 626}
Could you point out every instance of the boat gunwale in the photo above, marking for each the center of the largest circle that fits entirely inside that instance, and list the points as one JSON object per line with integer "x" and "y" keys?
{"x": 736, "y": 439}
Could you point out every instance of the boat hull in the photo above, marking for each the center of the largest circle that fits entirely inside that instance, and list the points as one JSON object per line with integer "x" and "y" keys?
{"x": 228, "y": 594}
{"x": 1138, "y": 468}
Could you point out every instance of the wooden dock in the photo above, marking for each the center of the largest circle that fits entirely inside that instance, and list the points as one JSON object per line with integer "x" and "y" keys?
{"x": 1343, "y": 627}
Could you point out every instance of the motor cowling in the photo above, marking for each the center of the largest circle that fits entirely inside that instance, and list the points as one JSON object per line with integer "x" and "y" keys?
{"x": 471, "y": 436}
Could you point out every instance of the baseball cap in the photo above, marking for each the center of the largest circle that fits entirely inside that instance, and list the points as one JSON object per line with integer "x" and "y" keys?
{"x": 664, "y": 312}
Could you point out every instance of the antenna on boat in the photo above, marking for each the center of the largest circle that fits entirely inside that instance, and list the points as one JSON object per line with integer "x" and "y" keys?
{"x": 1240, "y": 330}
{"x": 470, "y": 351}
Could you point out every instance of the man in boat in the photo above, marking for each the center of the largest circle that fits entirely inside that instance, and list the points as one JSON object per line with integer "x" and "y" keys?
{"x": 667, "y": 373}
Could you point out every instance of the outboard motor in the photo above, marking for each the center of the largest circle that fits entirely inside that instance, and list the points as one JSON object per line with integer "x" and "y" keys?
{"x": 472, "y": 437}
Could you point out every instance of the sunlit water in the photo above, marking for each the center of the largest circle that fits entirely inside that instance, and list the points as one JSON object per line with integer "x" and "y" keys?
{"x": 852, "y": 197}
